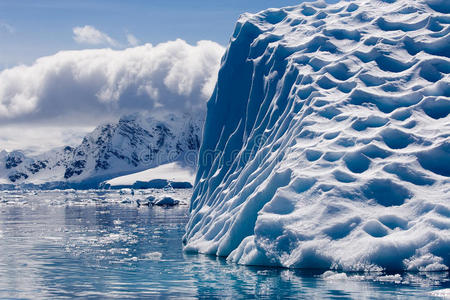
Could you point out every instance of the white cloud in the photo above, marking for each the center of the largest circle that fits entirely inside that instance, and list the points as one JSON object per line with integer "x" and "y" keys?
{"x": 88, "y": 86}
{"x": 92, "y": 36}
{"x": 132, "y": 40}
{"x": 37, "y": 139}
{"x": 5, "y": 27}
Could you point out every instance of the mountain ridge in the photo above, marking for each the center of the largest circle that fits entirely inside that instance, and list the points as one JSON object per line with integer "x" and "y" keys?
{"x": 135, "y": 143}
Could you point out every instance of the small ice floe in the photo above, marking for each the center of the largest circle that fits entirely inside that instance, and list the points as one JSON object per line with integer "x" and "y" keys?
{"x": 153, "y": 255}
{"x": 166, "y": 201}
{"x": 397, "y": 278}
{"x": 126, "y": 201}
{"x": 150, "y": 199}
{"x": 333, "y": 276}
{"x": 140, "y": 202}
{"x": 160, "y": 201}
{"x": 126, "y": 192}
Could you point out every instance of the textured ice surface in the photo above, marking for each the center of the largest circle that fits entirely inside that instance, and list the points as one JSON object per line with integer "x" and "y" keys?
{"x": 326, "y": 143}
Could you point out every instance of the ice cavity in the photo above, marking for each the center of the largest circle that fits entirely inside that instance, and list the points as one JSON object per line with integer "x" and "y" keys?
{"x": 326, "y": 143}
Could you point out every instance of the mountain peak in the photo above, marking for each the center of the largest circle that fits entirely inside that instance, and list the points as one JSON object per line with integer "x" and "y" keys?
{"x": 136, "y": 142}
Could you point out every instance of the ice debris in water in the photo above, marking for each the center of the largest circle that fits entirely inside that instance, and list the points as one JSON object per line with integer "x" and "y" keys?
{"x": 153, "y": 255}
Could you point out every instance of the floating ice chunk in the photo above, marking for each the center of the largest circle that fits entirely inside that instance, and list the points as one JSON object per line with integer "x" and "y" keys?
{"x": 333, "y": 276}
{"x": 153, "y": 255}
{"x": 166, "y": 201}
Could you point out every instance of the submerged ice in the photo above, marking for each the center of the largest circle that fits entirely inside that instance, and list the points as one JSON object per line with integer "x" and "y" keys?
{"x": 326, "y": 142}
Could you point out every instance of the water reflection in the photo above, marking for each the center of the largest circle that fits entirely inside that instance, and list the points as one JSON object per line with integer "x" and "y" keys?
{"x": 112, "y": 250}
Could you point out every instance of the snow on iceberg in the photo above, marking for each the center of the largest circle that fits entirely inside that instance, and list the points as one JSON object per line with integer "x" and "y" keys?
{"x": 326, "y": 143}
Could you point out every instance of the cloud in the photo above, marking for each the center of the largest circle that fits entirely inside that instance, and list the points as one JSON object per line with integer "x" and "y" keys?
{"x": 132, "y": 40}
{"x": 5, "y": 27}
{"x": 92, "y": 36}
{"x": 89, "y": 86}
{"x": 37, "y": 139}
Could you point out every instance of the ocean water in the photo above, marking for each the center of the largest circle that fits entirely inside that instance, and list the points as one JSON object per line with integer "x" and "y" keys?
{"x": 92, "y": 244}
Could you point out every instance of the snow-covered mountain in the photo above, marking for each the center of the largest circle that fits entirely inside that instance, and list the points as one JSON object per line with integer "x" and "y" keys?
{"x": 135, "y": 143}
{"x": 331, "y": 139}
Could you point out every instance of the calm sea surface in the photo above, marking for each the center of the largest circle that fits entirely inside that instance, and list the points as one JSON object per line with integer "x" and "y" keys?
{"x": 92, "y": 244}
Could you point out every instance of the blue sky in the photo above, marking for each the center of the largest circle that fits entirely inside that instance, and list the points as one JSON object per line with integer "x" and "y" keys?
{"x": 30, "y": 29}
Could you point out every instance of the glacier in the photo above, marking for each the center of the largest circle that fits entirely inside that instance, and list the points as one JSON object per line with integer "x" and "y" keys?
{"x": 326, "y": 143}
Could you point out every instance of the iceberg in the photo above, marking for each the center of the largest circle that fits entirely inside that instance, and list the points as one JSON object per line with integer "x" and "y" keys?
{"x": 326, "y": 143}
{"x": 173, "y": 174}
